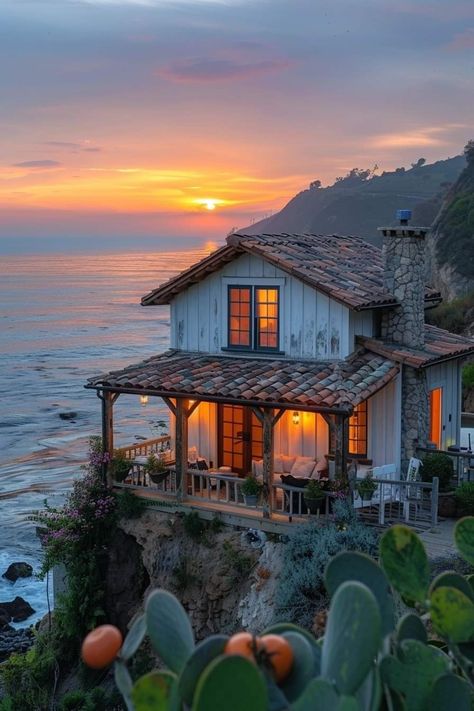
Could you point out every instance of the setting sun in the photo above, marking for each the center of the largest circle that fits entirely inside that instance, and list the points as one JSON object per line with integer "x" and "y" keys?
{"x": 209, "y": 203}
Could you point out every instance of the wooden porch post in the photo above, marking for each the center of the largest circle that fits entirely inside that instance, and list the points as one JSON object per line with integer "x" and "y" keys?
{"x": 268, "y": 420}
{"x": 181, "y": 445}
{"x": 108, "y": 400}
{"x": 342, "y": 445}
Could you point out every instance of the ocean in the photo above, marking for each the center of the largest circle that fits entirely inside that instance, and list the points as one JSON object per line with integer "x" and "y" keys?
{"x": 64, "y": 318}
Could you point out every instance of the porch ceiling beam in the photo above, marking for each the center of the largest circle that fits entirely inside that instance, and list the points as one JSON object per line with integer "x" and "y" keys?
{"x": 193, "y": 407}
{"x": 170, "y": 404}
{"x": 225, "y": 400}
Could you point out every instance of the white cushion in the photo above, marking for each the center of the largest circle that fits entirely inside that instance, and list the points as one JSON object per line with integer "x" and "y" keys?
{"x": 303, "y": 467}
{"x": 287, "y": 463}
{"x": 278, "y": 464}
{"x": 321, "y": 465}
{"x": 257, "y": 467}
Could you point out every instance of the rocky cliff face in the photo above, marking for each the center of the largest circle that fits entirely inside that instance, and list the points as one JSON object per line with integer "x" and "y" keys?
{"x": 451, "y": 243}
{"x": 225, "y": 580}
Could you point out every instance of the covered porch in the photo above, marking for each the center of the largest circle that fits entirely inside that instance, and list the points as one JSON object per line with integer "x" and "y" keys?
{"x": 230, "y": 417}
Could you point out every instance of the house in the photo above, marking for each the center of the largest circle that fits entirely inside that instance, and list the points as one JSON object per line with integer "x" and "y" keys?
{"x": 300, "y": 345}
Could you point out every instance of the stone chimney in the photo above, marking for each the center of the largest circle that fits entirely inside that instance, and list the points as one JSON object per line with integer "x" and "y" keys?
{"x": 403, "y": 257}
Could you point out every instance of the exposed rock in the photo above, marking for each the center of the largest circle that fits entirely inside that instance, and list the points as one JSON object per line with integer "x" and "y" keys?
{"x": 18, "y": 570}
{"x": 210, "y": 577}
{"x": 126, "y": 580}
{"x": 18, "y": 609}
{"x": 68, "y": 415}
{"x": 256, "y": 609}
{"x": 12, "y": 640}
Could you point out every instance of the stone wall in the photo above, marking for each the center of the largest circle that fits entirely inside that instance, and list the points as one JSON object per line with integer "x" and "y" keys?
{"x": 404, "y": 276}
{"x": 415, "y": 413}
{"x": 225, "y": 581}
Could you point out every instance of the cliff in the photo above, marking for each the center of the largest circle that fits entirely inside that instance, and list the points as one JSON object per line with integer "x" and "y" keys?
{"x": 451, "y": 243}
{"x": 359, "y": 203}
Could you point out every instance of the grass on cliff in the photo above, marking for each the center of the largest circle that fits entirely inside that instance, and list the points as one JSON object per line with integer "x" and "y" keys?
{"x": 454, "y": 316}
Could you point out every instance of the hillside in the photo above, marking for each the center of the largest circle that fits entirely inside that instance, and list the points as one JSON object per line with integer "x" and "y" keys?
{"x": 452, "y": 240}
{"x": 361, "y": 202}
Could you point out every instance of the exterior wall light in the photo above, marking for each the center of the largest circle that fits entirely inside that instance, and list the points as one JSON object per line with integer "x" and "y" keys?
{"x": 143, "y": 399}
{"x": 296, "y": 418}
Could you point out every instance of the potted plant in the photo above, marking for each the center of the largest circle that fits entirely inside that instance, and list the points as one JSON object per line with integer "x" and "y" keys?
{"x": 156, "y": 468}
{"x": 251, "y": 489}
{"x": 366, "y": 487}
{"x": 441, "y": 465}
{"x": 120, "y": 466}
{"x": 313, "y": 495}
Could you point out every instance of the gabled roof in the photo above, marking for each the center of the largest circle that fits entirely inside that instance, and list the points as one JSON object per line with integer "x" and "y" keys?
{"x": 347, "y": 269}
{"x": 439, "y": 345}
{"x": 304, "y": 384}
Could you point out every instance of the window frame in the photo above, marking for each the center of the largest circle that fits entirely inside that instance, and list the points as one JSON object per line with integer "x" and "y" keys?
{"x": 364, "y": 440}
{"x": 254, "y": 330}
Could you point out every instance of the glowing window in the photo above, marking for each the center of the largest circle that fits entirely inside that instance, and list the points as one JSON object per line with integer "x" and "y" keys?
{"x": 436, "y": 403}
{"x": 358, "y": 431}
{"x": 254, "y": 316}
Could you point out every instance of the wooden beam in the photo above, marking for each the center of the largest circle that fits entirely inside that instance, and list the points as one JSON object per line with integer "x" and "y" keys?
{"x": 181, "y": 445}
{"x": 341, "y": 446}
{"x": 170, "y": 404}
{"x": 108, "y": 400}
{"x": 268, "y": 421}
{"x": 193, "y": 407}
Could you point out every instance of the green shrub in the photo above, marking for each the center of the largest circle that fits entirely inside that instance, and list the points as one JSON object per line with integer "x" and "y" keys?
{"x": 240, "y": 563}
{"x": 438, "y": 465}
{"x": 182, "y": 577}
{"x": 468, "y": 376}
{"x": 194, "y": 526}
{"x": 28, "y": 679}
{"x": 465, "y": 498}
{"x": 300, "y": 591}
{"x": 129, "y": 505}
{"x": 453, "y": 315}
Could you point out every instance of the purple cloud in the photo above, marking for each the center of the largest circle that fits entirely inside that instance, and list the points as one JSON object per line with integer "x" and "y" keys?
{"x": 74, "y": 147}
{"x": 210, "y": 70}
{"x": 461, "y": 41}
{"x": 38, "y": 164}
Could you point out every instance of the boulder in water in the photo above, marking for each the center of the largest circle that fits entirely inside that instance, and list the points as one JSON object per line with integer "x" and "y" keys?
{"x": 18, "y": 570}
{"x": 68, "y": 415}
{"x": 18, "y": 609}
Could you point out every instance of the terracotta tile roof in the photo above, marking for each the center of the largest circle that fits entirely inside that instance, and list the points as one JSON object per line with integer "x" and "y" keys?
{"x": 347, "y": 269}
{"x": 439, "y": 345}
{"x": 303, "y": 384}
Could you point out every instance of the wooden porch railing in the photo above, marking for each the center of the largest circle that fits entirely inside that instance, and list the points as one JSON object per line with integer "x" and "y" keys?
{"x": 146, "y": 447}
{"x": 396, "y": 500}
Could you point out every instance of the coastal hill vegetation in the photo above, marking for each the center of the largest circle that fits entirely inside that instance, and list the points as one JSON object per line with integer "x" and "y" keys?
{"x": 362, "y": 201}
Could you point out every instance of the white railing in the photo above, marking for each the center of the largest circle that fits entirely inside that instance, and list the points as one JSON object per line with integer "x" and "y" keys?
{"x": 400, "y": 500}
{"x": 289, "y": 501}
{"x": 146, "y": 447}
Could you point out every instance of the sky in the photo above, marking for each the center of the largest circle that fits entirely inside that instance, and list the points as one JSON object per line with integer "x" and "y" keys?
{"x": 149, "y": 123}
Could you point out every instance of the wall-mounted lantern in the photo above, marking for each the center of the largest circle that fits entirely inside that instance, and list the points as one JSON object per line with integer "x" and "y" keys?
{"x": 143, "y": 399}
{"x": 296, "y": 418}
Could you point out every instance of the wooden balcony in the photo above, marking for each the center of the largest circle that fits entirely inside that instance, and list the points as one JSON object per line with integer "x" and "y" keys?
{"x": 213, "y": 493}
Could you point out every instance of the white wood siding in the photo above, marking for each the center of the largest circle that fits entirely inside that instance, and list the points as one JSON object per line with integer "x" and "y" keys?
{"x": 384, "y": 425}
{"x": 447, "y": 376}
{"x": 311, "y": 324}
{"x": 361, "y": 323}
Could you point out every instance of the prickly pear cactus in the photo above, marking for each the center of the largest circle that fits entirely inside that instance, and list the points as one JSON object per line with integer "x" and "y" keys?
{"x": 367, "y": 661}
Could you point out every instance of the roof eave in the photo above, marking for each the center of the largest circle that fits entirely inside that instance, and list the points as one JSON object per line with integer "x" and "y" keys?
{"x": 345, "y": 411}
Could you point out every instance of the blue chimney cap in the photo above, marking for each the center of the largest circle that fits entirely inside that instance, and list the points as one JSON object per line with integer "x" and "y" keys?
{"x": 403, "y": 216}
